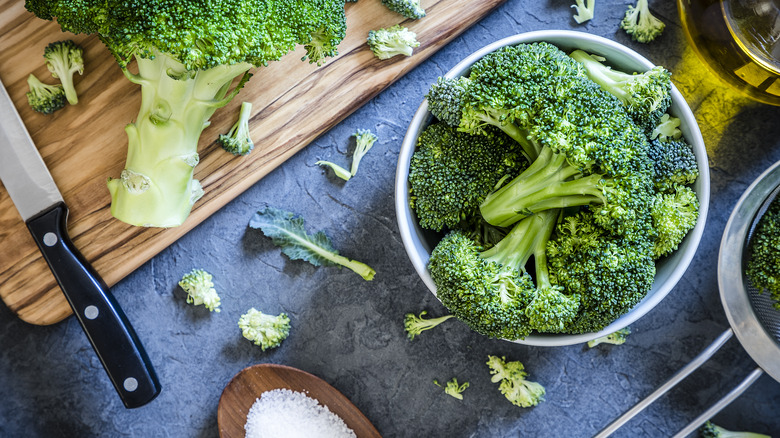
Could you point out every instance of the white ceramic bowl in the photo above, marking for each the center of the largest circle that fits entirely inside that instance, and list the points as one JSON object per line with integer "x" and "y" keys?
{"x": 420, "y": 242}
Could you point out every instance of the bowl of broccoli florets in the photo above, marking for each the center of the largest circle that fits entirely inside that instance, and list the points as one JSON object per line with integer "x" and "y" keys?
{"x": 552, "y": 188}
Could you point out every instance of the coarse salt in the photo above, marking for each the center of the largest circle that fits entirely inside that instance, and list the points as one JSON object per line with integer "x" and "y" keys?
{"x": 283, "y": 413}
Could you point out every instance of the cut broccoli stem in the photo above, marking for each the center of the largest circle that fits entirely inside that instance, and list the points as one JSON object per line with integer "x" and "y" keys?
{"x": 176, "y": 105}
{"x": 546, "y": 184}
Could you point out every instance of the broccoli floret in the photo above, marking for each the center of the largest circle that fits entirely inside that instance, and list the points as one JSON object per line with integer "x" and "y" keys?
{"x": 513, "y": 383}
{"x": 646, "y": 96}
{"x": 200, "y": 289}
{"x": 712, "y": 430}
{"x": 763, "y": 265}
{"x": 392, "y": 41}
{"x": 445, "y": 99}
{"x": 453, "y": 388}
{"x": 407, "y": 8}
{"x": 44, "y": 98}
{"x": 414, "y": 325}
{"x": 609, "y": 272}
{"x": 238, "y": 141}
{"x": 641, "y": 24}
{"x": 287, "y": 231}
{"x": 188, "y": 55}
{"x": 584, "y": 10}
{"x": 364, "y": 140}
{"x": 667, "y": 129}
{"x": 451, "y": 173}
{"x": 674, "y": 214}
{"x": 492, "y": 291}
{"x": 674, "y": 164}
{"x": 616, "y": 338}
{"x": 64, "y": 59}
{"x": 266, "y": 331}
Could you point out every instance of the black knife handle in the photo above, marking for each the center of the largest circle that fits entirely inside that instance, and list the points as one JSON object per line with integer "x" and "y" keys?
{"x": 110, "y": 333}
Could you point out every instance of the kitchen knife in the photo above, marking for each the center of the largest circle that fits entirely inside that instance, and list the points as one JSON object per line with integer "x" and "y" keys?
{"x": 42, "y": 208}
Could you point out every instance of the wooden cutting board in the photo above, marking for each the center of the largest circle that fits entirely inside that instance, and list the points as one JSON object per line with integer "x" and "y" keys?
{"x": 83, "y": 145}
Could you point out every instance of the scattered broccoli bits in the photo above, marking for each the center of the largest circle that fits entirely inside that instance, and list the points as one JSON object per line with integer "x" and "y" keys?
{"x": 616, "y": 338}
{"x": 238, "y": 141}
{"x": 392, "y": 41}
{"x": 200, "y": 289}
{"x": 407, "y": 8}
{"x": 287, "y": 231}
{"x": 511, "y": 377}
{"x": 44, "y": 98}
{"x": 712, "y": 430}
{"x": 64, "y": 59}
{"x": 452, "y": 388}
{"x": 585, "y": 9}
{"x": 266, "y": 331}
{"x": 763, "y": 264}
{"x": 364, "y": 140}
{"x": 414, "y": 325}
{"x": 640, "y": 24}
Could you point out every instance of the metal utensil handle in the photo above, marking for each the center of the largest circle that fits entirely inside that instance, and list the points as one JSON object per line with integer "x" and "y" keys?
{"x": 110, "y": 333}
{"x": 692, "y": 366}
{"x": 722, "y": 403}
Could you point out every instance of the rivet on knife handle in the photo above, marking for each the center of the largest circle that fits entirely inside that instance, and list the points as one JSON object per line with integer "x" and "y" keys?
{"x": 106, "y": 326}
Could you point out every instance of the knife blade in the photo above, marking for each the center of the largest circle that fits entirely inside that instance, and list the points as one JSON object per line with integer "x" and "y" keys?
{"x": 35, "y": 194}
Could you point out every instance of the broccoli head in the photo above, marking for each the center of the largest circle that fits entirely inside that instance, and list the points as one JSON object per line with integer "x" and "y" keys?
{"x": 646, "y": 96}
{"x": 266, "y": 331}
{"x": 64, "y": 59}
{"x": 452, "y": 172}
{"x": 674, "y": 214}
{"x": 44, "y": 98}
{"x": 513, "y": 383}
{"x": 763, "y": 264}
{"x": 392, "y": 41}
{"x": 188, "y": 55}
{"x": 674, "y": 164}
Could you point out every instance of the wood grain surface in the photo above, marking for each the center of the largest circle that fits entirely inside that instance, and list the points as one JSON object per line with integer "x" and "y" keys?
{"x": 242, "y": 391}
{"x": 293, "y": 103}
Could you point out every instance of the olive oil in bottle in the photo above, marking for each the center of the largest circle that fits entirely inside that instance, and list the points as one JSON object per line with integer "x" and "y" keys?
{"x": 739, "y": 40}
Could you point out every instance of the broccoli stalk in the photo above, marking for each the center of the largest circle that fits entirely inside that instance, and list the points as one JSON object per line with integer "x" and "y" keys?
{"x": 395, "y": 40}
{"x": 44, "y": 98}
{"x": 513, "y": 383}
{"x": 414, "y": 325}
{"x": 238, "y": 141}
{"x": 641, "y": 24}
{"x": 187, "y": 56}
{"x": 364, "y": 140}
{"x": 200, "y": 289}
{"x": 266, "y": 331}
{"x": 64, "y": 59}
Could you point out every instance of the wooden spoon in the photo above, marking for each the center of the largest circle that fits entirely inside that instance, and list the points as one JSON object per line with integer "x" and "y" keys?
{"x": 246, "y": 386}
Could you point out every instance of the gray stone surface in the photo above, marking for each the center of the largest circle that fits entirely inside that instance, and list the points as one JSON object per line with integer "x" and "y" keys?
{"x": 349, "y": 332}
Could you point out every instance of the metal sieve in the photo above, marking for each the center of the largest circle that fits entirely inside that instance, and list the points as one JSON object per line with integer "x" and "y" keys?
{"x": 752, "y": 318}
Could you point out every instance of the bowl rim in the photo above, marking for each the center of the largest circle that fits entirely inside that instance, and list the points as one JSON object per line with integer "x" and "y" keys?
{"x": 681, "y": 258}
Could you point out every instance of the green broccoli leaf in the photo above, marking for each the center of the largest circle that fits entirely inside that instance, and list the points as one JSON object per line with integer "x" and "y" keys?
{"x": 287, "y": 231}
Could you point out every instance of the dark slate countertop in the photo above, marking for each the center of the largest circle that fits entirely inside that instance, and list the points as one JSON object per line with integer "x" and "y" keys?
{"x": 350, "y": 333}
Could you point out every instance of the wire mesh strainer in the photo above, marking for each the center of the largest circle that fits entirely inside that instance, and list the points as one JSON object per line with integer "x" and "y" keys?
{"x": 751, "y": 315}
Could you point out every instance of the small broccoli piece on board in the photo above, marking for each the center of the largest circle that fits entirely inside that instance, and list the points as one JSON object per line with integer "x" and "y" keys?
{"x": 238, "y": 140}
{"x": 392, "y": 41}
{"x": 44, "y": 98}
{"x": 408, "y": 8}
{"x": 64, "y": 59}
